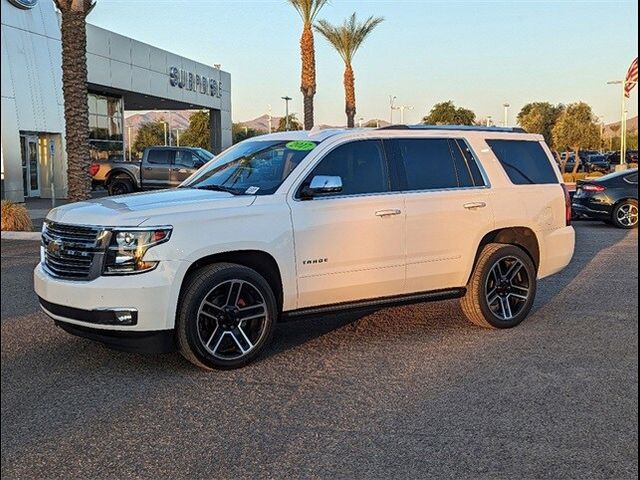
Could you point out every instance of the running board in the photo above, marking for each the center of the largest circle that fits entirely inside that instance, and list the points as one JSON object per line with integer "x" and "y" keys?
{"x": 396, "y": 300}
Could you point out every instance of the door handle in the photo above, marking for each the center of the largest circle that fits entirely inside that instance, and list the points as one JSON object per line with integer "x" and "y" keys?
{"x": 388, "y": 213}
{"x": 474, "y": 205}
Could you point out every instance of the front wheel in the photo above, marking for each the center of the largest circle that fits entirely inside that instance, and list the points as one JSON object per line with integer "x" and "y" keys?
{"x": 226, "y": 316}
{"x": 502, "y": 288}
{"x": 120, "y": 186}
{"x": 625, "y": 215}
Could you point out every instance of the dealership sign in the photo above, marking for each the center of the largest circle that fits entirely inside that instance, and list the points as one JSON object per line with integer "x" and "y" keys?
{"x": 194, "y": 83}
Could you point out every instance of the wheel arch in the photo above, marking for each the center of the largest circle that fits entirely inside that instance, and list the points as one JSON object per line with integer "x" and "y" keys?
{"x": 522, "y": 237}
{"x": 260, "y": 261}
{"x": 119, "y": 172}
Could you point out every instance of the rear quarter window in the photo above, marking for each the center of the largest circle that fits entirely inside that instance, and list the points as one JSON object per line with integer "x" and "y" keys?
{"x": 524, "y": 161}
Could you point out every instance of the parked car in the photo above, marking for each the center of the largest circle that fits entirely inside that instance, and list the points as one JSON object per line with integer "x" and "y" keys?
{"x": 160, "y": 167}
{"x": 612, "y": 198}
{"x": 614, "y": 157}
{"x": 599, "y": 162}
{"x": 298, "y": 224}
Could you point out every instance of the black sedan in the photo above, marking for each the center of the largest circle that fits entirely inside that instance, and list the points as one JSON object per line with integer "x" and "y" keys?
{"x": 612, "y": 198}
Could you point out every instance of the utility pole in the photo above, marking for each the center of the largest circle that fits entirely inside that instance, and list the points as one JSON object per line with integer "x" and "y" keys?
{"x": 286, "y": 99}
{"x": 506, "y": 114}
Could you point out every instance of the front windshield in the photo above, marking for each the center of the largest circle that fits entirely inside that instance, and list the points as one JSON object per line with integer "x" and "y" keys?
{"x": 252, "y": 167}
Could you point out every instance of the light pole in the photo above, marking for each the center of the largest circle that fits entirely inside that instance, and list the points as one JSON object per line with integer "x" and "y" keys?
{"x": 129, "y": 138}
{"x": 402, "y": 108}
{"x": 506, "y": 113}
{"x": 164, "y": 124}
{"x": 269, "y": 116}
{"x": 177, "y": 130}
{"x": 286, "y": 112}
{"x": 392, "y": 99}
{"x": 360, "y": 122}
{"x": 488, "y": 120}
{"x": 623, "y": 121}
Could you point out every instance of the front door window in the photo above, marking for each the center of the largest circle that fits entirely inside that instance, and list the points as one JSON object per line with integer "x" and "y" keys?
{"x": 30, "y": 165}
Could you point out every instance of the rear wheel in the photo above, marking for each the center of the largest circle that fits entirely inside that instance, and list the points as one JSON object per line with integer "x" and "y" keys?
{"x": 502, "y": 288}
{"x": 226, "y": 316}
{"x": 625, "y": 215}
{"x": 120, "y": 186}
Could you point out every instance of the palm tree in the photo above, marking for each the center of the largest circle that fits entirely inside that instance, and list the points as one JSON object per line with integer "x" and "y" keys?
{"x": 74, "y": 87}
{"x": 346, "y": 39}
{"x": 308, "y": 9}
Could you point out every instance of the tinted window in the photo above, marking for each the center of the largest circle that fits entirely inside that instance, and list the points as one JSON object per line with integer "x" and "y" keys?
{"x": 162, "y": 157}
{"x": 361, "y": 165}
{"x": 524, "y": 161}
{"x": 460, "y": 162}
{"x": 472, "y": 163}
{"x": 428, "y": 164}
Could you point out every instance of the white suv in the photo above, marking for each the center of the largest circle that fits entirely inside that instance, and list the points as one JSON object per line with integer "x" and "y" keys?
{"x": 301, "y": 223}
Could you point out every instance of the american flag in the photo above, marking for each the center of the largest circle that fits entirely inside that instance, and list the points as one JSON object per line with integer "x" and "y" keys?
{"x": 632, "y": 78}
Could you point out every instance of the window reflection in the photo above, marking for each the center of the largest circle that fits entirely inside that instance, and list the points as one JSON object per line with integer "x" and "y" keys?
{"x": 106, "y": 125}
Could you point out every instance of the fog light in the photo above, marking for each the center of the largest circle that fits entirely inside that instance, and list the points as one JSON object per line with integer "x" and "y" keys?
{"x": 126, "y": 317}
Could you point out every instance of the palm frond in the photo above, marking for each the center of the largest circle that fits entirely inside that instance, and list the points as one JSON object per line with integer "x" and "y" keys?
{"x": 349, "y": 36}
{"x": 308, "y": 9}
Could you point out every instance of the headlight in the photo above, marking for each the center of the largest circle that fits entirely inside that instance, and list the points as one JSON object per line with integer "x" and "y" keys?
{"x": 127, "y": 248}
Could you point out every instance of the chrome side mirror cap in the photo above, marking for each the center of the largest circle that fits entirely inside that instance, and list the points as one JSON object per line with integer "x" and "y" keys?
{"x": 325, "y": 184}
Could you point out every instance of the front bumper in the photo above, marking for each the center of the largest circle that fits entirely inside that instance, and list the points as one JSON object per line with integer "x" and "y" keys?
{"x": 152, "y": 295}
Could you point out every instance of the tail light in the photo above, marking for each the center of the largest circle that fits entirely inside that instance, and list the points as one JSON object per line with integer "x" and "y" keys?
{"x": 567, "y": 204}
{"x": 590, "y": 187}
{"x": 93, "y": 169}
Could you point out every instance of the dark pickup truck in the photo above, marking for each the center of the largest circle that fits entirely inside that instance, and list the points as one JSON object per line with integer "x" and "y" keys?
{"x": 160, "y": 167}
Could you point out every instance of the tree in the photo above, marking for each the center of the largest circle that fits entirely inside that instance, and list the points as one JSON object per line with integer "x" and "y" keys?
{"x": 540, "y": 117}
{"x": 240, "y": 132}
{"x": 446, "y": 113}
{"x": 149, "y": 134}
{"x": 308, "y": 10}
{"x": 74, "y": 88}
{"x": 575, "y": 129}
{"x": 294, "y": 123}
{"x": 346, "y": 39}
{"x": 197, "y": 133}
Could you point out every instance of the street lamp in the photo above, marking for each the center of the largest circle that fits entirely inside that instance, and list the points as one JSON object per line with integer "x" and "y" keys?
{"x": 177, "y": 130}
{"x": 489, "y": 120}
{"x": 506, "y": 113}
{"x": 402, "y": 108}
{"x": 286, "y": 99}
{"x": 164, "y": 125}
{"x": 392, "y": 99}
{"x": 129, "y": 140}
{"x": 360, "y": 122}
{"x": 269, "y": 116}
{"x": 623, "y": 121}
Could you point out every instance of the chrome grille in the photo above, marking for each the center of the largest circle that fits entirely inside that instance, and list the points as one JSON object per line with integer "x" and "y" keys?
{"x": 72, "y": 251}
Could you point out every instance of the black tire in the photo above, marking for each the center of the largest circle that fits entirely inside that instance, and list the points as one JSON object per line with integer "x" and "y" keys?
{"x": 625, "y": 215}
{"x": 484, "y": 282}
{"x": 212, "y": 338}
{"x": 120, "y": 186}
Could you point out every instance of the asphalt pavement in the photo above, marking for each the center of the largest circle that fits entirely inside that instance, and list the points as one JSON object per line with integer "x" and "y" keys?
{"x": 407, "y": 392}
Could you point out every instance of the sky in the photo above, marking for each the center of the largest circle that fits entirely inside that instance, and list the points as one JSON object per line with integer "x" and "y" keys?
{"x": 478, "y": 53}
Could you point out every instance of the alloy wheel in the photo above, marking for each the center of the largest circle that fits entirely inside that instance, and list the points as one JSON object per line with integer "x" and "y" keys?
{"x": 627, "y": 215}
{"x": 507, "y": 288}
{"x": 232, "y": 319}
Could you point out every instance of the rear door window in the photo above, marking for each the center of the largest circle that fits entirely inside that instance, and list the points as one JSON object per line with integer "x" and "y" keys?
{"x": 159, "y": 157}
{"x": 524, "y": 161}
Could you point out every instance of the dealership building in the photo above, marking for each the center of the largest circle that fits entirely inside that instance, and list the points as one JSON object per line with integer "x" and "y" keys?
{"x": 123, "y": 74}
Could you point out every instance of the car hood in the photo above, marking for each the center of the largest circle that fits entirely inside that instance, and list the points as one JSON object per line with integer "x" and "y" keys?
{"x": 132, "y": 210}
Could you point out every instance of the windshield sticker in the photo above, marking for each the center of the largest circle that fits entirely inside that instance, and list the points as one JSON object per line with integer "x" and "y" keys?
{"x": 251, "y": 190}
{"x": 301, "y": 145}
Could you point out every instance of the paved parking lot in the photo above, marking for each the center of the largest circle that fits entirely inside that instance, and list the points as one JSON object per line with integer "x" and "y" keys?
{"x": 408, "y": 392}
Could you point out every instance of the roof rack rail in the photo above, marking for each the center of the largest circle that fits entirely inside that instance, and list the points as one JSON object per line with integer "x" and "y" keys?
{"x": 470, "y": 128}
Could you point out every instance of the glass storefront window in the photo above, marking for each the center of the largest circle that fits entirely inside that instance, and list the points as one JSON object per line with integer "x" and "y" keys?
{"x": 106, "y": 127}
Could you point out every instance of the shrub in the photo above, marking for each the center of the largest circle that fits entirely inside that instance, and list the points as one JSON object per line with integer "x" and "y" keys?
{"x": 15, "y": 217}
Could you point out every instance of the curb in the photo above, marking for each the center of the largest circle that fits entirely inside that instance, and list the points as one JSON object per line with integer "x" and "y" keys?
{"x": 32, "y": 236}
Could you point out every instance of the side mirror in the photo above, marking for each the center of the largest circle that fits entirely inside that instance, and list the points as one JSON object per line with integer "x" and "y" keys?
{"x": 322, "y": 184}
